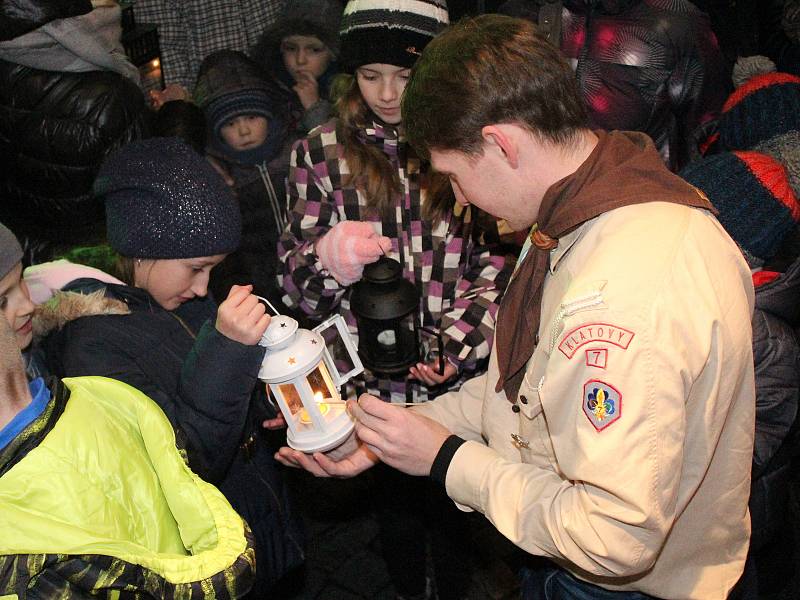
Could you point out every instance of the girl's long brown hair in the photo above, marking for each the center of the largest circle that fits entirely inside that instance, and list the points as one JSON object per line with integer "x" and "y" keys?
{"x": 370, "y": 170}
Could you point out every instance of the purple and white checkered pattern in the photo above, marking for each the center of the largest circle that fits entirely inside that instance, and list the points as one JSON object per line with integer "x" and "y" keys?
{"x": 457, "y": 263}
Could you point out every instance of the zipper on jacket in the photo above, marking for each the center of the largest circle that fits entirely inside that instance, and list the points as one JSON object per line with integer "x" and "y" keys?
{"x": 274, "y": 203}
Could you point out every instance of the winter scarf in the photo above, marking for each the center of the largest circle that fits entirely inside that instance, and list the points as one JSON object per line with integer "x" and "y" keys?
{"x": 623, "y": 169}
{"x": 89, "y": 42}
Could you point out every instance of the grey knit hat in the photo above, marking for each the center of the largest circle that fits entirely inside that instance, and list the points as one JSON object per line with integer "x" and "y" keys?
{"x": 10, "y": 251}
{"x": 317, "y": 18}
{"x": 391, "y": 32}
{"x": 163, "y": 200}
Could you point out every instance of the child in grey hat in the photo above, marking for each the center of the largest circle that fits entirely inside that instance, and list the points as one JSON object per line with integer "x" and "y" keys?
{"x": 300, "y": 51}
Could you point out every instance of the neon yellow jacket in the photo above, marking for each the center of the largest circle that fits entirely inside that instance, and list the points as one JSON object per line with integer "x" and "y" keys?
{"x": 95, "y": 498}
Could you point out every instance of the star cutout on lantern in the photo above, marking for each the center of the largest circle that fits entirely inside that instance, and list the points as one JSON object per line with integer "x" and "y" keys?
{"x": 292, "y": 360}
{"x": 314, "y": 342}
{"x": 283, "y": 324}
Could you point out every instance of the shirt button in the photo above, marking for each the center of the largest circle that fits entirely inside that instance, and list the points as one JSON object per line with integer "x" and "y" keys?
{"x": 523, "y": 399}
{"x": 515, "y": 408}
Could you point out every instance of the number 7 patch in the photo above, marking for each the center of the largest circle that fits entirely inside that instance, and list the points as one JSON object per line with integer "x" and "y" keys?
{"x": 597, "y": 357}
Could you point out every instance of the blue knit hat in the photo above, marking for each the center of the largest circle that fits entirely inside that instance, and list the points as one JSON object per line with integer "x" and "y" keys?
{"x": 245, "y": 102}
{"x": 751, "y": 191}
{"x": 163, "y": 200}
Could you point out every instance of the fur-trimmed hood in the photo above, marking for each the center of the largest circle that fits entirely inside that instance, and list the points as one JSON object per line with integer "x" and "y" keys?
{"x": 66, "y": 306}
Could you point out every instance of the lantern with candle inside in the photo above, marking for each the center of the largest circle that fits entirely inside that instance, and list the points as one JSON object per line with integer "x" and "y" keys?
{"x": 304, "y": 377}
{"x": 386, "y": 306}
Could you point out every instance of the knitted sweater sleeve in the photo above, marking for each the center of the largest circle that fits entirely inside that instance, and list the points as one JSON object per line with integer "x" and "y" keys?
{"x": 306, "y": 284}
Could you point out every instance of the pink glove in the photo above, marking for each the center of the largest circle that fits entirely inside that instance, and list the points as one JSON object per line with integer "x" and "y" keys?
{"x": 347, "y": 247}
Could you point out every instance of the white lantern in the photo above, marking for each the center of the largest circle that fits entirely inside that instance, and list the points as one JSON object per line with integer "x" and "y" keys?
{"x": 304, "y": 370}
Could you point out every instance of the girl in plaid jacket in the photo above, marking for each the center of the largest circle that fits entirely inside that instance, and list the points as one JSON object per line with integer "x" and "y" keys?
{"x": 354, "y": 180}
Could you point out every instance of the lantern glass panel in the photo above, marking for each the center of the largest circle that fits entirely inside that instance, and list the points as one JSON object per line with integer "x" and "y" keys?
{"x": 320, "y": 382}
{"x": 291, "y": 396}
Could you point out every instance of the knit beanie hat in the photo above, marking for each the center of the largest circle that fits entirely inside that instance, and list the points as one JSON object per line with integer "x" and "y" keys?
{"x": 315, "y": 18}
{"x": 229, "y": 84}
{"x": 752, "y": 194}
{"x": 10, "y": 251}
{"x": 164, "y": 200}
{"x": 786, "y": 150}
{"x": 765, "y": 105}
{"x": 388, "y": 32}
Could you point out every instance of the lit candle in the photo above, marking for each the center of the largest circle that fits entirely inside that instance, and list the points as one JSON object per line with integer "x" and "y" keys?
{"x": 323, "y": 407}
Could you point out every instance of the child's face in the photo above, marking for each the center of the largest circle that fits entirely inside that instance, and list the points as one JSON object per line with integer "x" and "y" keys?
{"x": 245, "y": 132}
{"x": 305, "y": 56}
{"x": 381, "y": 87}
{"x": 171, "y": 282}
{"x": 16, "y": 306}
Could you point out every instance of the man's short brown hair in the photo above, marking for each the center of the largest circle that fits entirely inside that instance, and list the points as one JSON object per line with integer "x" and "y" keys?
{"x": 488, "y": 70}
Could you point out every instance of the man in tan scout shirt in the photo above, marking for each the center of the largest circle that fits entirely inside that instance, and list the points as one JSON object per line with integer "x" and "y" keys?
{"x": 613, "y": 432}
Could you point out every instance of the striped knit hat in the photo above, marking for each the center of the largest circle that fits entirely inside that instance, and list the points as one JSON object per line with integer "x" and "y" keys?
{"x": 765, "y": 106}
{"x": 392, "y": 32}
{"x": 786, "y": 150}
{"x": 751, "y": 191}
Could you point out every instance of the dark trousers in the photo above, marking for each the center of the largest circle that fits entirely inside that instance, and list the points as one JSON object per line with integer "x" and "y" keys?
{"x": 550, "y": 582}
{"x": 412, "y": 512}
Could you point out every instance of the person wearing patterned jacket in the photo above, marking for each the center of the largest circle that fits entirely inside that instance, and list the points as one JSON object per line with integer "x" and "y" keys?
{"x": 359, "y": 191}
{"x": 455, "y": 258}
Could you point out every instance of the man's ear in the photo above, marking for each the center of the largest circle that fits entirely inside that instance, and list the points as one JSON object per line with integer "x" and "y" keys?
{"x": 501, "y": 139}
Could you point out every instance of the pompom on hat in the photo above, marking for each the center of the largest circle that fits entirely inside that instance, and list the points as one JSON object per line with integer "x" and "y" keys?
{"x": 765, "y": 105}
{"x": 10, "y": 251}
{"x": 389, "y": 32}
{"x": 164, "y": 200}
{"x": 751, "y": 191}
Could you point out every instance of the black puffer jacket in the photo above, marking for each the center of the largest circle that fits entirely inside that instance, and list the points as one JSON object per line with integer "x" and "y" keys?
{"x": 55, "y": 130}
{"x": 204, "y": 383}
{"x": 777, "y": 366}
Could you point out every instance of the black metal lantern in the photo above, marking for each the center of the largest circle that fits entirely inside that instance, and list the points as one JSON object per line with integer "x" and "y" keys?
{"x": 386, "y": 306}
{"x": 141, "y": 44}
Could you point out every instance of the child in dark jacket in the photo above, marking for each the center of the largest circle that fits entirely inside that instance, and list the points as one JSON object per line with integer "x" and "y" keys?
{"x": 300, "y": 52}
{"x": 759, "y": 210}
{"x": 248, "y": 138}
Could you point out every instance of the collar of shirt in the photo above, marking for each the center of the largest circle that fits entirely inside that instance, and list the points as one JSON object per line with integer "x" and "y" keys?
{"x": 41, "y": 396}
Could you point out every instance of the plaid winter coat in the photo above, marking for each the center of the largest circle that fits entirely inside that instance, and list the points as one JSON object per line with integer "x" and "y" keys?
{"x": 458, "y": 263}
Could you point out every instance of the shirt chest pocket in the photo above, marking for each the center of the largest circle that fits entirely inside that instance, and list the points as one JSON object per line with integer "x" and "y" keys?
{"x": 533, "y": 439}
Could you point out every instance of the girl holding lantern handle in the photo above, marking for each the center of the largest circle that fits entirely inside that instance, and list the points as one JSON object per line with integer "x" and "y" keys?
{"x": 358, "y": 192}
{"x": 172, "y": 219}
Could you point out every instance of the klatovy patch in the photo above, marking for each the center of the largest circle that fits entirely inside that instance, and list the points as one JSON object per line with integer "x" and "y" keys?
{"x": 587, "y": 297}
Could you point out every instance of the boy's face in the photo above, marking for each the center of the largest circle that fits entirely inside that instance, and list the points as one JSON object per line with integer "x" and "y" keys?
{"x": 305, "y": 56}
{"x": 16, "y": 306}
{"x": 245, "y": 132}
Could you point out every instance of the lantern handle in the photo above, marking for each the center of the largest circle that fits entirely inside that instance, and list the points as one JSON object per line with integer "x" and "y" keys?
{"x": 268, "y": 303}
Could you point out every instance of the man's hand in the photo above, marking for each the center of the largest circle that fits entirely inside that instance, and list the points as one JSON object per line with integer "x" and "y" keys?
{"x": 242, "y": 318}
{"x": 401, "y": 438}
{"x": 426, "y": 373}
{"x": 321, "y": 465}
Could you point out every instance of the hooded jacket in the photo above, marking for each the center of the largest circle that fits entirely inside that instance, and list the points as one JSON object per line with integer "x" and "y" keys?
{"x": 259, "y": 174}
{"x": 776, "y": 354}
{"x": 95, "y": 512}
{"x": 204, "y": 383}
{"x": 56, "y": 127}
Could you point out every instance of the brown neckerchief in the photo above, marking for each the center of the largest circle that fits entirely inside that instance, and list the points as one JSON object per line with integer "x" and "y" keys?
{"x": 623, "y": 169}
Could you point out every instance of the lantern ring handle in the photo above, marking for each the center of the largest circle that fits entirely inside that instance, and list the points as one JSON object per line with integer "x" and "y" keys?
{"x": 268, "y": 303}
